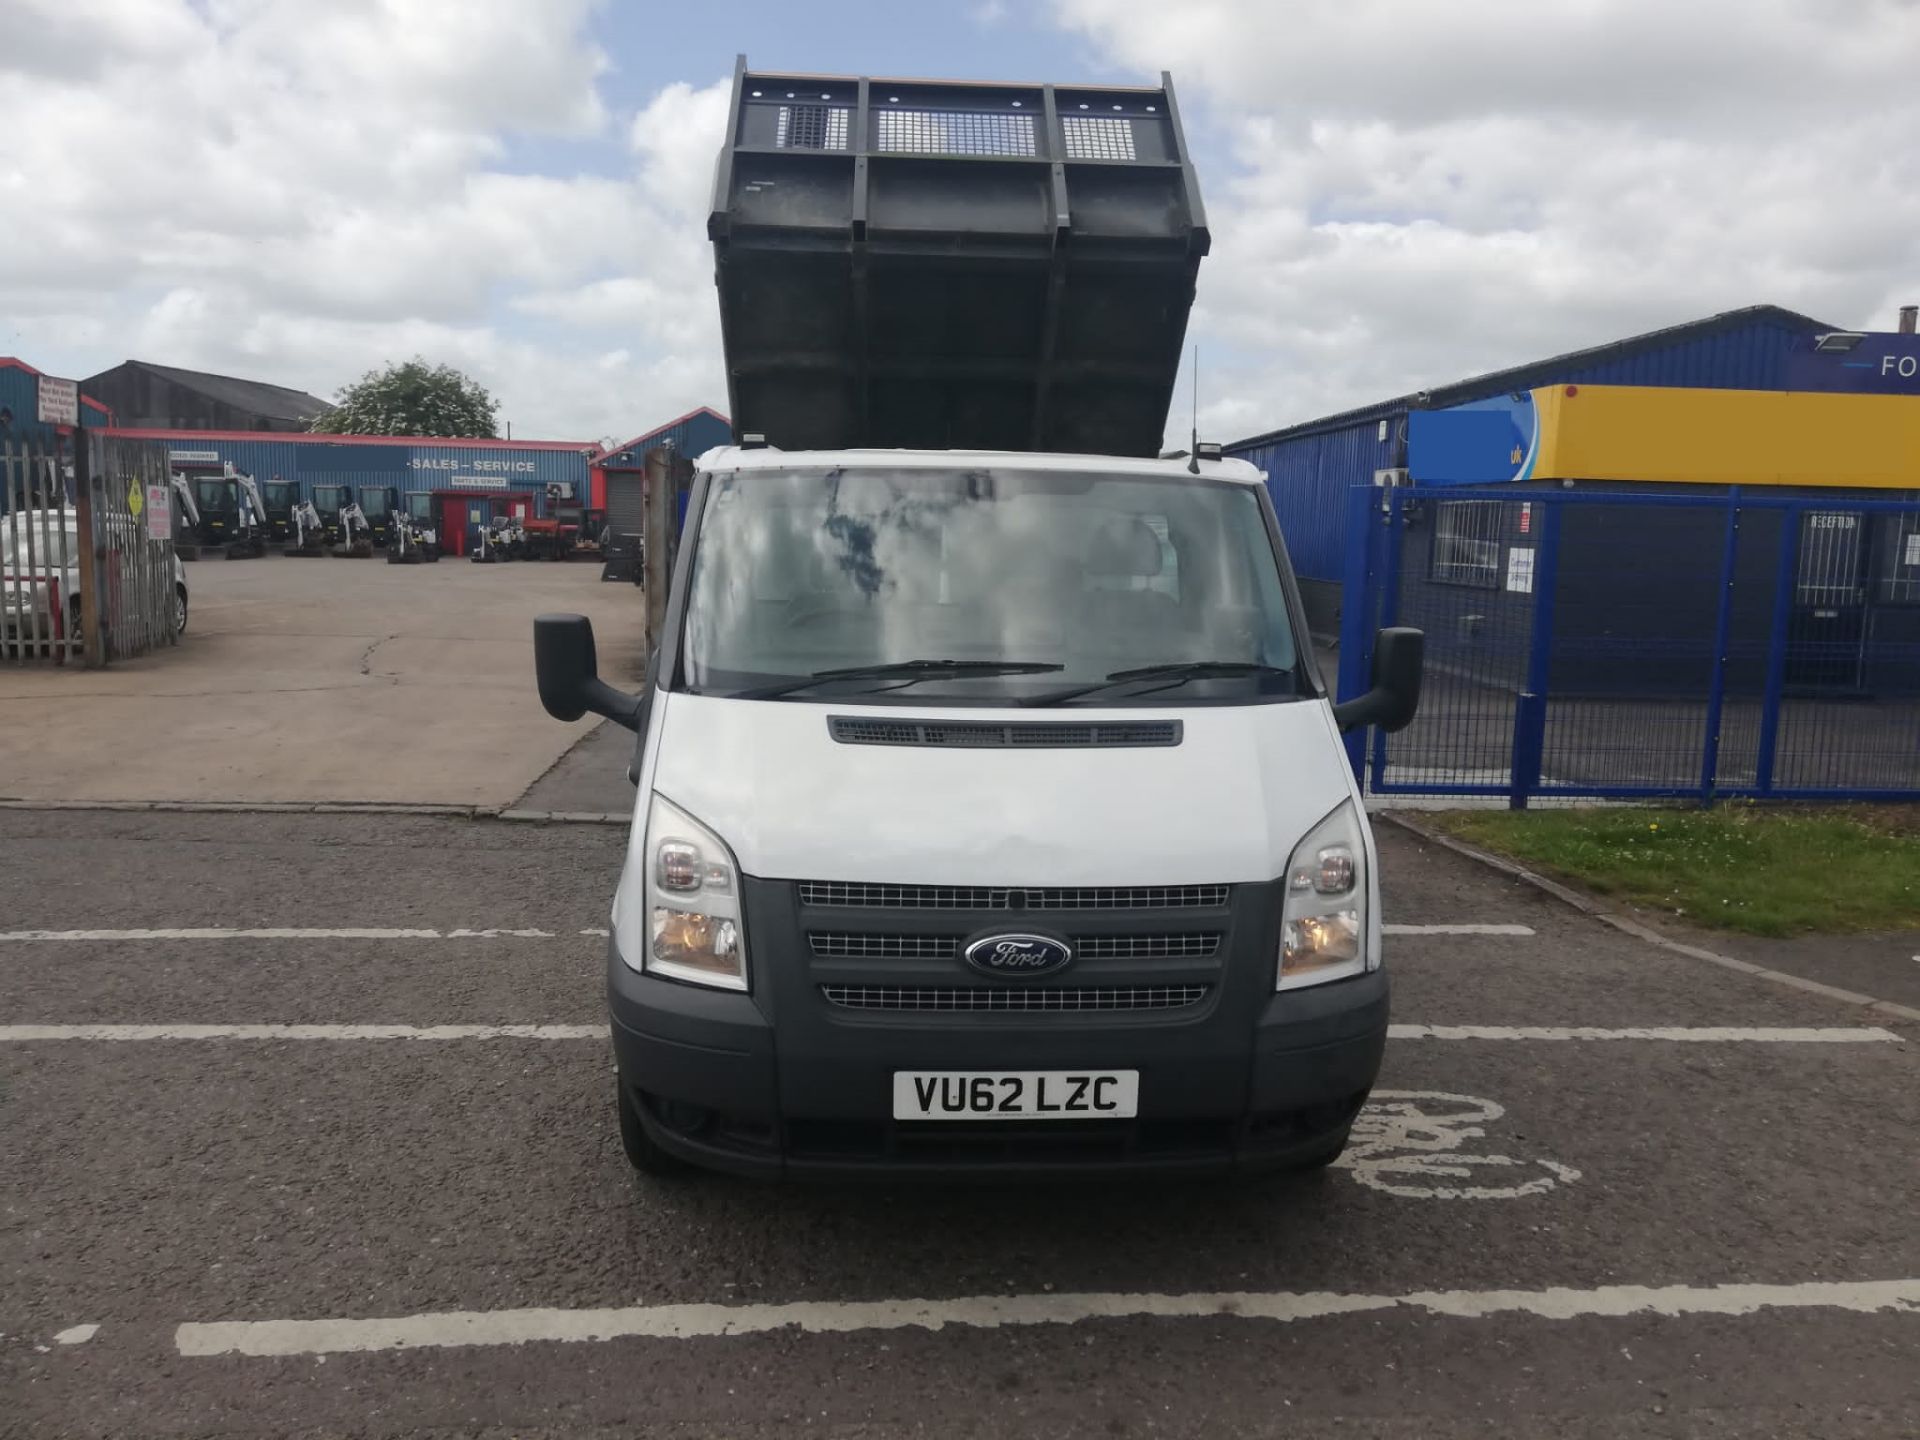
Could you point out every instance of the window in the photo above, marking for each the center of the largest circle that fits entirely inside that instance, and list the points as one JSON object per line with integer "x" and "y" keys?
{"x": 804, "y": 571}
{"x": 1466, "y": 542}
{"x": 1830, "y": 556}
{"x": 1900, "y": 559}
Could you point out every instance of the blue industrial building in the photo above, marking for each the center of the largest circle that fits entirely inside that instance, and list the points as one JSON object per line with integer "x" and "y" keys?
{"x": 20, "y": 406}
{"x": 469, "y": 481}
{"x": 1311, "y": 467}
{"x": 618, "y": 475}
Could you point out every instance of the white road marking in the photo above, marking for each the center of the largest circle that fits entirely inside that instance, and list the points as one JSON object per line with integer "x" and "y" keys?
{"x": 17, "y": 1034}
{"x": 990, "y": 1312}
{"x": 215, "y": 932}
{"x": 78, "y": 1335}
{"x": 1410, "y": 1143}
{"x": 1702, "y": 1034}
{"x": 1462, "y": 929}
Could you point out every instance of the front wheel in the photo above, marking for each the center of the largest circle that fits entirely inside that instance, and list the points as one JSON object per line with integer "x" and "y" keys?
{"x": 645, "y": 1156}
{"x": 179, "y": 609}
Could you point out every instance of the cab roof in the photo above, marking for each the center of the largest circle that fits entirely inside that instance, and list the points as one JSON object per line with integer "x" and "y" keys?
{"x": 733, "y": 458}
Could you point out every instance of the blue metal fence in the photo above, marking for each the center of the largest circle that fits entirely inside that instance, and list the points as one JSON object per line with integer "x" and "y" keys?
{"x": 1642, "y": 645}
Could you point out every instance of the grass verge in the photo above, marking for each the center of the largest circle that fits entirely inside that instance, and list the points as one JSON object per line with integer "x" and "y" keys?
{"x": 1760, "y": 871}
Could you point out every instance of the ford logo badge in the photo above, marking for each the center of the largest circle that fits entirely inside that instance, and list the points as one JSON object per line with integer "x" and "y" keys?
{"x": 1019, "y": 956}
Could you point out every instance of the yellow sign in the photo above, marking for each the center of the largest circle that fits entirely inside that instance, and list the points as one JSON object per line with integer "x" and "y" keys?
{"x": 1728, "y": 437}
{"x": 135, "y": 500}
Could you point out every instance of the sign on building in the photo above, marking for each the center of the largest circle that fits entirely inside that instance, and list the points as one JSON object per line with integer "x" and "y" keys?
{"x": 1869, "y": 364}
{"x": 59, "y": 401}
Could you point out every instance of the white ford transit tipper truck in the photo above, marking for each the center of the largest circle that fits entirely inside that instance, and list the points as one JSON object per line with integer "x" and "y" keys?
{"x": 992, "y": 815}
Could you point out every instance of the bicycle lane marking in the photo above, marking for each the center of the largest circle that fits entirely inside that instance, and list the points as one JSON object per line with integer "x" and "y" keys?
{"x": 1411, "y": 1144}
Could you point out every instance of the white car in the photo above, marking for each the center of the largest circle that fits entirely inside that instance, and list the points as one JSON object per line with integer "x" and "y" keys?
{"x": 35, "y": 545}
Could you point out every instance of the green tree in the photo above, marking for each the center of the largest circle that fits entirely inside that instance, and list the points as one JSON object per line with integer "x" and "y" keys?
{"x": 413, "y": 398}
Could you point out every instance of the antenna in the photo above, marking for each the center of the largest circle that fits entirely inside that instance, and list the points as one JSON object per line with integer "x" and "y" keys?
{"x": 1193, "y": 452}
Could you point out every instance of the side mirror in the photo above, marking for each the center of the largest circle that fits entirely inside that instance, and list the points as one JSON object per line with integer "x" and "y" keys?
{"x": 568, "y": 671}
{"x": 1399, "y": 654}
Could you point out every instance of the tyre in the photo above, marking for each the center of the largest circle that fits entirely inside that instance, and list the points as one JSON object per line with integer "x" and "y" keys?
{"x": 179, "y": 610}
{"x": 646, "y": 1157}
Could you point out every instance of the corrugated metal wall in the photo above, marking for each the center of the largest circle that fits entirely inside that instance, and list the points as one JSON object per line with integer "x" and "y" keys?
{"x": 406, "y": 465}
{"x": 1308, "y": 479}
{"x": 20, "y": 394}
{"x": 694, "y": 435}
{"x": 691, "y": 435}
{"x": 1310, "y": 468}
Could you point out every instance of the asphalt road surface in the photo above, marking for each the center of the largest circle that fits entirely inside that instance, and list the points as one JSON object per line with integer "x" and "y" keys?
{"x": 1602, "y": 1190}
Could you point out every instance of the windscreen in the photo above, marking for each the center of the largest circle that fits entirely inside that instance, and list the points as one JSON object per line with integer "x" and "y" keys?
{"x": 277, "y": 493}
{"x": 1077, "y": 575}
{"x": 213, "y": 494}
{"x": 329, "y": 497}
{"x": 373, "y": 503}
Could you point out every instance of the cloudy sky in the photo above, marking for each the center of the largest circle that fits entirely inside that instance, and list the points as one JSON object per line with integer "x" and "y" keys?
{"x": 1401, "y": 192}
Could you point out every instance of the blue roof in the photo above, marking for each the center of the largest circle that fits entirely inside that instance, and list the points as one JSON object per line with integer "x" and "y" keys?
{"x": 1736, "y": 349}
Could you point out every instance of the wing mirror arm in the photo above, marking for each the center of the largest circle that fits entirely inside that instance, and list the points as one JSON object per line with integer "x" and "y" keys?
{"x": 567, "y": 669}
{"x": 1399, "y": 656}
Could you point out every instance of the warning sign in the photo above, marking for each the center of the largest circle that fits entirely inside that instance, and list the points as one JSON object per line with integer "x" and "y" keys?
{"x": 1520, "y": 569}
{"x": 58, "y": 401}
{"x": 136, "y": 501}
{"x": 159, "y": 513}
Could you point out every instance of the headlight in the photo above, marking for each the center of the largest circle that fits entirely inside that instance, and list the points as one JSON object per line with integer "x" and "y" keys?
{"x": 693, "y": 929}
{"x": 1323, "y": 929}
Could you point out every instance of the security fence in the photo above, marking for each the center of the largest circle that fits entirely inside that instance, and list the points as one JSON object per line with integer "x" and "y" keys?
{"x": 87, "y": 551}
{"x": 1634, "y": 645}
{"x": 39, "y": 555}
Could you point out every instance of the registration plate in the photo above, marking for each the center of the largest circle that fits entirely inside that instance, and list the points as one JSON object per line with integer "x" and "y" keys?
{"x": 1016, "y": 1094}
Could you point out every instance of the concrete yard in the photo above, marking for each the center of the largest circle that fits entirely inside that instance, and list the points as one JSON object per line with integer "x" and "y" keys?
{"x": 1602, "y": 1190}
{"x": 320, "y": 680}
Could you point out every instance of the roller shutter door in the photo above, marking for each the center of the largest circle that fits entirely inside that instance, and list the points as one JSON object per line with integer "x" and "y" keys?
{"x": 626, "y": 505}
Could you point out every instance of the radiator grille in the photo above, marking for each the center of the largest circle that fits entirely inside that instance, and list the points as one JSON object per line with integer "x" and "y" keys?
{"x": 1145, "y": 947}
{"x": 976, "y": 735}
{"x": 839, "y": 945}
{"x": 1121, "y": 997}
{"x": 860, "y": 895}
{"x": 883, "y": 947}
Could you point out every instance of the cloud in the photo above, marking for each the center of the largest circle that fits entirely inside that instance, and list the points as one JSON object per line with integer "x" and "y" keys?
{"x": 1414, "y": 193}
{"x": 1401, "y": 193}
{"x": 301, "y": 192}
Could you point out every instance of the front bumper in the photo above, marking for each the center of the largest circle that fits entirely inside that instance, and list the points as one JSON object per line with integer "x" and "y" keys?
{"x": 781, "y": 1083}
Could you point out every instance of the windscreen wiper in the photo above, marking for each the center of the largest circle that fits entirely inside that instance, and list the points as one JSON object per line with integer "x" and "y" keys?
{"x": 908, "y": 672}
{"x": 1172, "y": 675}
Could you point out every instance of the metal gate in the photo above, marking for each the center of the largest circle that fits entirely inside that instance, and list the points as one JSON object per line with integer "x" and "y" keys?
{"x": 39, "y": 555}
{"x": 86, "y": 539}
{"x": 1641, "y": 645}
